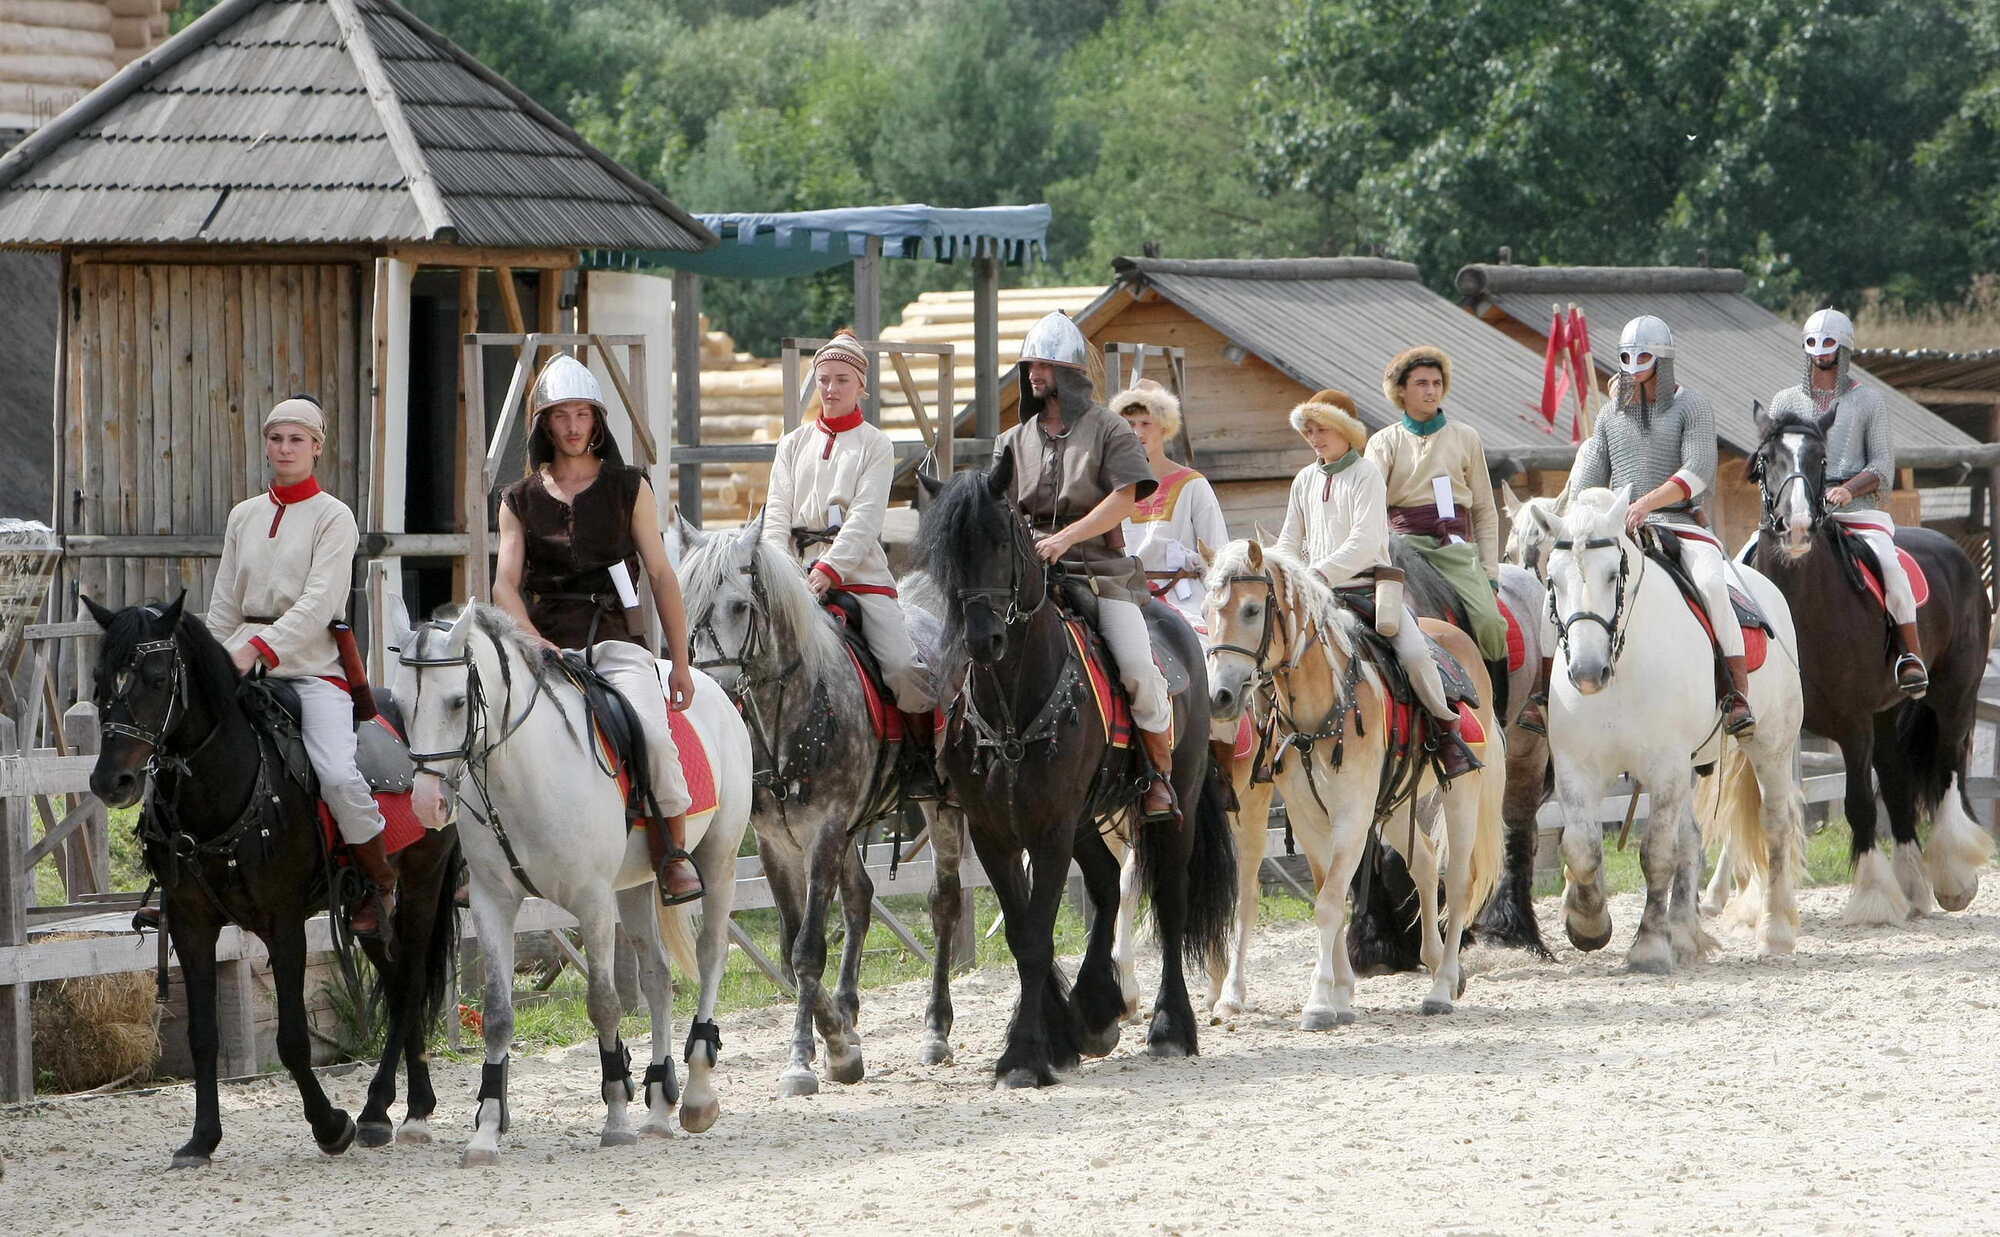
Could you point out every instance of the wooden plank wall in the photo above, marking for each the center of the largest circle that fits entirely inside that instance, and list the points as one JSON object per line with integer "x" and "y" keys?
{"x": 171, "y": 372}
{"x": 1228, "y": 407}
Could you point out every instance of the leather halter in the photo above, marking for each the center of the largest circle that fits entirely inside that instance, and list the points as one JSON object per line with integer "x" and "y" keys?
{"x": 1815, "y": 489}
{"x": 755, "y": 669}
{"x": 1616, "y": 623}
{"x": 1006, "y": 737}
{"x": 176, "y": 698}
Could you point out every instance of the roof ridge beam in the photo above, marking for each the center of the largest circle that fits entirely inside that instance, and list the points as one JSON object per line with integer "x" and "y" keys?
{"x": 430, "y": 203}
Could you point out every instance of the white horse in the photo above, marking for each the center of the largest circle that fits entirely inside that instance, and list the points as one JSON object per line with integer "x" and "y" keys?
{"x": 511, "y": 739}
{"x": 1280, "y": 643}
{"x": 1633, "y": 692}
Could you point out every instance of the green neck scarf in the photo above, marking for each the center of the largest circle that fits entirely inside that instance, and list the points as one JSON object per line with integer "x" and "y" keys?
{"x": 1340, "y": 465}
{"x": 1424, "y": 429}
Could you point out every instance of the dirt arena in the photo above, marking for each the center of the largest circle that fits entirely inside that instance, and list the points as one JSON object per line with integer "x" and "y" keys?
{"x": 1849, "y": 1089}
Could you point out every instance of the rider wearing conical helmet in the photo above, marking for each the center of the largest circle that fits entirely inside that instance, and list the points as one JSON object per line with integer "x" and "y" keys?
{"x": 1656, "y": 439}
{"x": 578, "y": 522}
{"x": 829, "y": 490}
{"x": 1078, "y": 472}
{"x": 287, "y": 565}
{"x": 1860, "y": 469}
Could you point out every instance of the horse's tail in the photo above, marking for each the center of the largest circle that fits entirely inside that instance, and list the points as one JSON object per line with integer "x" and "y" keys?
{"x": 677, "y": 934}
{"x": 1928, "y": 760}
{"x": 1734, "y": 816}
{"x": 1489, "y": 842}
{"x": 1211, "y": 871}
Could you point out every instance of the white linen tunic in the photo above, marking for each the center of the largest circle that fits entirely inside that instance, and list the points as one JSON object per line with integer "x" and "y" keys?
{"x": 1164, "y": 529}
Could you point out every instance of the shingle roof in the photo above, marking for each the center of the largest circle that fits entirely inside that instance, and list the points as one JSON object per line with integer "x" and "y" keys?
{"x": 1726, "y": 346}
{"x": 322, "y": 121}
{"x": 1977, "y": 372}
{"x": 1335, "y": 322}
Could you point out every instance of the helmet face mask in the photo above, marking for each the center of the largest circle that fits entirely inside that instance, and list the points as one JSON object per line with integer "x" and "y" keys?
{"x": 1643, "y": 343}
{"x": 1827, "y": 332}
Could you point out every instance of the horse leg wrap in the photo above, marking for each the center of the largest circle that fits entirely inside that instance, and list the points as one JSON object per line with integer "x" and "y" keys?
{"x": 492, "y": 1086}
{"x": 662, "y": 1076}
{"x": 703, "y": 1033}
{"x": 617, "y": 1067}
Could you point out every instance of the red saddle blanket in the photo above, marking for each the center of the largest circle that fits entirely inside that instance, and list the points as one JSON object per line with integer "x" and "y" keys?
{"x": 1403, "y": 720}
{"x": 696, "y": 768}
{"x": 1517, "y": 645}
{"x": 1756, "y": 644}
{"x": 1920, "y": 585}
{"x": 402, "y": 828}
{"x": 1112, "y": 709}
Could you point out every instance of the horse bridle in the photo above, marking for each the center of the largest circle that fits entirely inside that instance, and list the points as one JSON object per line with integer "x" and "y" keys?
{"x": 1015, "y": 612}
{"x": 1815, "y": 494}
{"x": 176, "y": 703}
{"x": 1615, "y": 624}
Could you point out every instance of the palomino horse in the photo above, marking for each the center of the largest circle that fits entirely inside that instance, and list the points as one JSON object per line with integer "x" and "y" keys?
{"x": 510, "y": 738}
{"x": 822, "y": 775}
{"x": 1917, "y": 748}
{"x": 1634, "y": 692}
{"x": 233, "y": 836}
{"x": 1035, "y": 767}
{"x": 1280, "y": 644}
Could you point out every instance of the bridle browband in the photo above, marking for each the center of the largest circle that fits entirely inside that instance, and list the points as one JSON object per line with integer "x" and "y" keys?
{"x": 1616, "y": 623}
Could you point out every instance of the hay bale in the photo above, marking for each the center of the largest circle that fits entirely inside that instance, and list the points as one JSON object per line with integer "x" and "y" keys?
{"x": 96, "y": 1029}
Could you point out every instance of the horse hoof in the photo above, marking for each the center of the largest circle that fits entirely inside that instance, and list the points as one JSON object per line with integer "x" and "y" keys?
{"x": 1022, "y": 1079}
{"x": 935, "y": 1051}
{"x": 478, "y": 1157}
{"x": 798, "y": 1082}
{"x": 1168, "y": 1049}
{"x": 342, "y": 1141}
{"x": 656, "y": 1130}
{"x": 700, "y": 1118}
{"x": 1588, "y": 942}
{"x": 618, "y": 1138}
{"x": 1653, "y": 961}
{"x": 189, "y": 1159}
{"x": 1953, "y": 901}
{"x": 1099, "y": 1043}
{"x": 1224, "y": 1011}
{"x": 846, "y": 1073}
{"x": 377, "y": 1133}
{"x": 415, "y": 1133}
{"x": 1326, "y": 1019}
{"x": 1433, "y": 1006}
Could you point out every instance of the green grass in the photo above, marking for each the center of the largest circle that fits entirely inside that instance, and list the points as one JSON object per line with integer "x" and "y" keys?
{"x": 1826, "y": 863}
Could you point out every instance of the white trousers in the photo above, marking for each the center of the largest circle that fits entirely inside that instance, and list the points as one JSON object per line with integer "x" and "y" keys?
{"x": 1124, "y": 630}
{"x": 1878, "y": 529}
{"x": 1709, "y": 567}
{"x": 636, "y": 675}
{"x": 326, "y": 721}
{"x": 888, "y": 638}
{"x": 1414, "y": 651}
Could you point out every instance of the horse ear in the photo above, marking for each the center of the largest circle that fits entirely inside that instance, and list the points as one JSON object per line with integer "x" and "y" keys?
{"x": 1623, "y": 497}
{"x": 1000, "y": 480}
{"x": 931, "y": 485}
{"x": 1760, "y": 416}
{"x": 171, "y": 616}
{"x": 679, "y": 537}
{"x": 753, "y": 530}
{"x": 1510, "y": 502}
{"x": 102, "y": 615}
{"x": 1201, "y": 548}
{"x": 1256, "y": 556}
{"x": 461, "y": 631}
{"x": 1542, "y": 515}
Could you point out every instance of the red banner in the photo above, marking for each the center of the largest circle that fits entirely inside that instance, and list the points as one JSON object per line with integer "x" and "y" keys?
{"x": 1584, "y": 372}
{"x": 1555, "y": 368}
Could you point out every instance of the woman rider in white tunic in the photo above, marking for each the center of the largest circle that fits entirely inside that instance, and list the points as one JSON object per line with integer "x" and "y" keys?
{"x": 287, "y": 565}
{"x": 1166, "y": 528}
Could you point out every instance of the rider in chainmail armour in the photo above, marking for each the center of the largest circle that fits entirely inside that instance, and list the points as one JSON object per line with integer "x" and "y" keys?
{"x": 1860, "y": 469}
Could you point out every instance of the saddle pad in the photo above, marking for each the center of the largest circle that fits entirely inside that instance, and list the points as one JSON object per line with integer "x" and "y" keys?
{"x": 888, "y": 722}
{"x": 695, "y": 764}
{"x": 1756, "y": 641}
{"x": 1246, "y": 738}
{"x": 401, "y": 826}
{"x": 1405, "y": 716}
{"x": 1112, "y": 709}
{"x": 1517, "y": 644}
{"x": 1920, "y": 584}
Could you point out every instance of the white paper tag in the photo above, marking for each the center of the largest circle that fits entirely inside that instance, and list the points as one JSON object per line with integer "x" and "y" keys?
{"x": 621, "y": 579}
{"x": 1441, "y": 492}
{"x": 835, "y": 516}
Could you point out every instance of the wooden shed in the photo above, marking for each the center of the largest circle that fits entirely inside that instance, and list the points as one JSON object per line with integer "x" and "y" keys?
{"x": 319, "y": 196}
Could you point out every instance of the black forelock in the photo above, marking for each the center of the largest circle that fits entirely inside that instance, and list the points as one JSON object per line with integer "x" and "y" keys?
{"x": 963, "y": 526}
{"x": 209, "y": 666}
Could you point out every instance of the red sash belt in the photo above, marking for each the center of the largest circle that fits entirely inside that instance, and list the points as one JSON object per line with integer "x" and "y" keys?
{"x": 1424, "y": 521}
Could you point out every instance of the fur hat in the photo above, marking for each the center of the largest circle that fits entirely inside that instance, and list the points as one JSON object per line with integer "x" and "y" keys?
{"x": 1336, "y": 411}
{"x": 302, "y": 411}
{"x": 1148, "y": 396}
{"x": 1398, "y": 370}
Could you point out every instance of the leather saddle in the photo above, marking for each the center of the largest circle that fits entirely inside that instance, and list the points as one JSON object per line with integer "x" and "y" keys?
{"x": 849, "y": 620}
{"x": 382, "y": 754}
{"x": 1175, "y": 645}
{"x": 615, "y": 721}
{"x": 1458, "y": 685}
{"x": 1665, "y": 549}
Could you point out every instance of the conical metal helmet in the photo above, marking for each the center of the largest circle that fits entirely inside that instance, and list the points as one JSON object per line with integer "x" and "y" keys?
{"x": 563, "y": 379}
{"x": 1642, "y": 335}
{"x": 1056, "y": 340}
{"x": 1827, "y": 332}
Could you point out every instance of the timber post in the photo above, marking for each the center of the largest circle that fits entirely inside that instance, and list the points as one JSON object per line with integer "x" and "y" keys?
{"x": 17, "y": 893}
{"x": 687, "y": 387}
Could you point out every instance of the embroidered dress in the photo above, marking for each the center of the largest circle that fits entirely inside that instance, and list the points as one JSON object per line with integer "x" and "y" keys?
{"x": 1163, "y": 532}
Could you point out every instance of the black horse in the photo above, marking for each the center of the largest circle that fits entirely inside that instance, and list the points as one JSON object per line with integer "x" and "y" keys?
{"x": 1382, "y": 937}
{"x": 232, "y": 836}
{"x": 1917, "y": 748}
{"x": 1029, "y": 762}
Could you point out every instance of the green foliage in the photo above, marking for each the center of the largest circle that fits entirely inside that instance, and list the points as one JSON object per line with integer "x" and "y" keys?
{"x": 1787, "y": 139}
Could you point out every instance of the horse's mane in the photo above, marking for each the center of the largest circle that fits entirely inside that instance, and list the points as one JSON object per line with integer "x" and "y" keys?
{"x": 1319, "y": 602}
{"x": 797, "y": 619}
{"x": 964, "y": 525}
{"x": 1593, "y": 506}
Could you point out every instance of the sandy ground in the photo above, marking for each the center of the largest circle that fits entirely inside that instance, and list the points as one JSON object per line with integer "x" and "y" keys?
{"x": 1851, "y": 1088}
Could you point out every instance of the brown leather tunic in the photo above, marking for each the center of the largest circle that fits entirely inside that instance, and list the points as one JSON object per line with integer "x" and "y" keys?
{"x": 569, "y": 549}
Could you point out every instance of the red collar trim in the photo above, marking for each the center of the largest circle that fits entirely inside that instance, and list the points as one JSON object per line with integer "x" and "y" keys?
{"x": 837, "y": 425}
{"x": 285, "y": 495}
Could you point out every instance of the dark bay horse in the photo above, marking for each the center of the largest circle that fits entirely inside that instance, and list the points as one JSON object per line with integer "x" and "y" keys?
{"x": 1031, "y": 766}
{"x": 1917, "y": 749}
{"x": 1383, "y": 935}
{"x": 233, "y": 837}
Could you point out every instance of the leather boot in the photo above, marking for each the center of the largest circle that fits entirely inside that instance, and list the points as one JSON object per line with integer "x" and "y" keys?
{"x": 920, "y": 778}
{"x": 1534, "y": 716}
{"x": 377, "y": 911}
{"x": 1158, "y": 803}
{"x": 1496, "y": 676}
{"x": 1455, "y": 759}
{"x": 1913, "y": 678}
{"x": 1736, "y": 716}
{"x": 673, "y": 868}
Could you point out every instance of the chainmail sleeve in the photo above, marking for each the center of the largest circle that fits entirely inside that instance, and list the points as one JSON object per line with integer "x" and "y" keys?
{"x": 1592, "y": 467}
{"x": 1879, "y": 443}
{"x": 1698, "y": 442}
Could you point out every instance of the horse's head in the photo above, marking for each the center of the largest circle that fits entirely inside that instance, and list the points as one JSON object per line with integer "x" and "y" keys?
{"x": 438, "y": 684}
{"x": 729, "y": 585}
{"x": 1247, "y": 630}
{"x": 1589, "y": 570}
{"x": 981, "y": 553}
{"x": 1789, "y": 466}
{"x": 141, "y": 694}
{"x": 1532, "y": 525}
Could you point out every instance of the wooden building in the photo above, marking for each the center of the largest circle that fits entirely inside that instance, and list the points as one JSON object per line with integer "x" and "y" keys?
{"x": 320, "y": 196}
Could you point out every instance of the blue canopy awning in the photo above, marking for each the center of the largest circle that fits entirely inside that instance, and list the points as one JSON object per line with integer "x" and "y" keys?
{"x": 788, "y": 243}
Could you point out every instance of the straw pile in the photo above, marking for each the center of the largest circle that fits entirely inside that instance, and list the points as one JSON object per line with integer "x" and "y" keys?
{"x": 95, "y": 1030}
